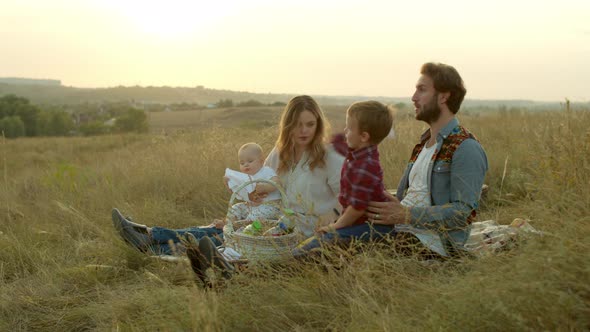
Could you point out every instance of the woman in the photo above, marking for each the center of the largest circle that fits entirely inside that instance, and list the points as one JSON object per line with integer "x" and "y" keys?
{"x": 310, "y": 172}
{"x": 308, "y": 168}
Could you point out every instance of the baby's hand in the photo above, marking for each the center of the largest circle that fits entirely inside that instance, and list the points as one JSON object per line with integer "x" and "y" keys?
{"x": 261, "y": 191}
{"x": 256, "y": 198}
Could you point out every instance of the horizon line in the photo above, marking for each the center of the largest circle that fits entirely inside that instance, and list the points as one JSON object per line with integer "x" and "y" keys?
{"x": 250, "y": 92}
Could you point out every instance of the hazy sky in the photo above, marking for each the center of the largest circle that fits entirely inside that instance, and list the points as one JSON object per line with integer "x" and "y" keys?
{"x": 529, "y": 49}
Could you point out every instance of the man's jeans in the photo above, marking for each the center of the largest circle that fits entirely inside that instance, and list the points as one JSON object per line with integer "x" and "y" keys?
{"x": 161, "y": 238}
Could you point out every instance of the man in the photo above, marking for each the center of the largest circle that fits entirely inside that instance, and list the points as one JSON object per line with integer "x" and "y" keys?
{"x": 439, "y": 191}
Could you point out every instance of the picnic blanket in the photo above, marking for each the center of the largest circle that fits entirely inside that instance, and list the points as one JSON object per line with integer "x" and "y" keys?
{"x": 489, "y": 236}
{"x": 486, "y": 236}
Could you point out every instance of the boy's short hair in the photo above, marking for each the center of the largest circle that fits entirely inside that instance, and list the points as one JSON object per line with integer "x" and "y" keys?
{"x": 373, "y": 117}
{"x": 251, "y": 147}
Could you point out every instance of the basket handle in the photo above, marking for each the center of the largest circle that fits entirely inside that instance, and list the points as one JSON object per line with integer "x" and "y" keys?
{"x": 234, "y": 195}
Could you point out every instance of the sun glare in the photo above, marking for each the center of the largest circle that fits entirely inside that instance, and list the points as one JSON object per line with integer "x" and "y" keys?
{"x": 173, "y": 19}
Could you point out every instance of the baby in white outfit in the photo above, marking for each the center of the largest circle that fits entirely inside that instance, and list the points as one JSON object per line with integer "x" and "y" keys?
{"x": 251, "y": 160}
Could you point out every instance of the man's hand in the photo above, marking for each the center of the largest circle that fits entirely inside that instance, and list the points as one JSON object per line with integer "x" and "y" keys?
{"x": 387, "y": 213}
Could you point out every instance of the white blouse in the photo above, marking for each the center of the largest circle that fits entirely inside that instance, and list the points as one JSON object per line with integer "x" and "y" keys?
{"x": 312, "y": 193}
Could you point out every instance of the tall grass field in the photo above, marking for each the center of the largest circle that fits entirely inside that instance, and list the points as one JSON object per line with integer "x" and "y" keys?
{"x": 64, "y": 268}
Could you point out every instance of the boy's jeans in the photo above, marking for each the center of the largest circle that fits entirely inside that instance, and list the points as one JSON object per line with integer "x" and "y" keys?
{"x": 364, "y": 232}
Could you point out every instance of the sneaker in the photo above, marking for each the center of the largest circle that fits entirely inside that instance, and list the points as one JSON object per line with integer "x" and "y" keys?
{"x": 199, "y": 262}
{"x": 203, "y": 254}
{"x": 209, "y": 250}
{"x": 127, "y": 230}
{"x": 129, "y": 222}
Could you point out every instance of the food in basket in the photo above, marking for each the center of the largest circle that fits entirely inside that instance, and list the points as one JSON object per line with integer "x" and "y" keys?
{"x": 255, "y": 228}
{"x": 287, "y": 222}
{"x": 274, "y": 231}
{"x": 285, "y": 225}
{"x": 278, "y": 230}
{"x": 279, "y": 227}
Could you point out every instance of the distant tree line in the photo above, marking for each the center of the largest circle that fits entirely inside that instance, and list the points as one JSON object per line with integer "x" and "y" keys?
{"x": 18, "y": 118}
{"x": 29, "y": 81}
{"x": 59, "y": 94}
{"x": 225, "y": 103}
{"x": 184, "y": 106}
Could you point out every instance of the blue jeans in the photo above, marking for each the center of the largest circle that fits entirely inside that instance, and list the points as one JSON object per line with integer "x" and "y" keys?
{"x": 364, "y": 232}
{"x": 163, "y": 237}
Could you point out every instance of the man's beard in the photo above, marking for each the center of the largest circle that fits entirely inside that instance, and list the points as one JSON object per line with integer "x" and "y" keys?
{"x": 429, "y": 112}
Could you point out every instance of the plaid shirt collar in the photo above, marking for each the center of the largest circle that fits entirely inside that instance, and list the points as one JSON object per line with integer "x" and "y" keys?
{"x": 362, "y": 153}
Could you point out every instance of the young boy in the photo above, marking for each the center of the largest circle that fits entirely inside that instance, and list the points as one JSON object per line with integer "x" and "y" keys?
{"x": 251, "y": 161}
{"x": 367, "y": 124}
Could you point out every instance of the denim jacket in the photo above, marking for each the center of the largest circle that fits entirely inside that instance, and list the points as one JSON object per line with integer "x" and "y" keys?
{"x": 455, "y": 176}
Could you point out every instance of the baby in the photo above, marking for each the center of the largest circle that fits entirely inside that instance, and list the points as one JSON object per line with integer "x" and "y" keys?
{"x": 252, "y": 163}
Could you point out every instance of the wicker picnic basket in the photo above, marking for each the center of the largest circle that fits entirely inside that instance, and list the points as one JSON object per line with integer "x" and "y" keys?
{"x": 260, "y": 248}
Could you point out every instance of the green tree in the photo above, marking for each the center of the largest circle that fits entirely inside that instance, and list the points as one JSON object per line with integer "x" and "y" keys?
{"x": 61, "y": 123}
{"x": 223, "y": 103}
{"x": 400, "y": 106}
{"x": 133, "y": 120}
{"x": 93, "y": 128}
{"x": 54, "y": 123}
{"x": 12, "y": 126}
{"x": 43, "y": 124}
{"x": 250, "y": 103}
{"x": 11, "y": 105}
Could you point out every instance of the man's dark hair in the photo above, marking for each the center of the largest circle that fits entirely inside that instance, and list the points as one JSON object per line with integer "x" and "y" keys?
{"x": 446, "y": 79}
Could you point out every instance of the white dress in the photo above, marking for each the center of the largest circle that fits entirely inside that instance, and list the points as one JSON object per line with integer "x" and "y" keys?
{"x": 311, "y": 193}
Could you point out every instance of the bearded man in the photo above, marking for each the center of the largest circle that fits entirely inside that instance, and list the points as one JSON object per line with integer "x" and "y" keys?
{"x": 439, "y": 192}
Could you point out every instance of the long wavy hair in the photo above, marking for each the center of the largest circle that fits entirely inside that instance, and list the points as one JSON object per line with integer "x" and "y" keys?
{"x": 289, "y": 120}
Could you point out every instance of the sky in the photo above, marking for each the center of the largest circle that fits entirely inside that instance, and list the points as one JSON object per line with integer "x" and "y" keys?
{"x": 517, "y": 49}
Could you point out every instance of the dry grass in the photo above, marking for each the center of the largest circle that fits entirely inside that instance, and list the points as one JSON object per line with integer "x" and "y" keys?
{"x": 62, "y": 266}
{"x": 245, "y": 118}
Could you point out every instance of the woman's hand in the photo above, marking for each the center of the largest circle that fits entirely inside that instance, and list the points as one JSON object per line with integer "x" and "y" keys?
{"x": 226, "y": 183}
{"x": 387, "y": 213}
